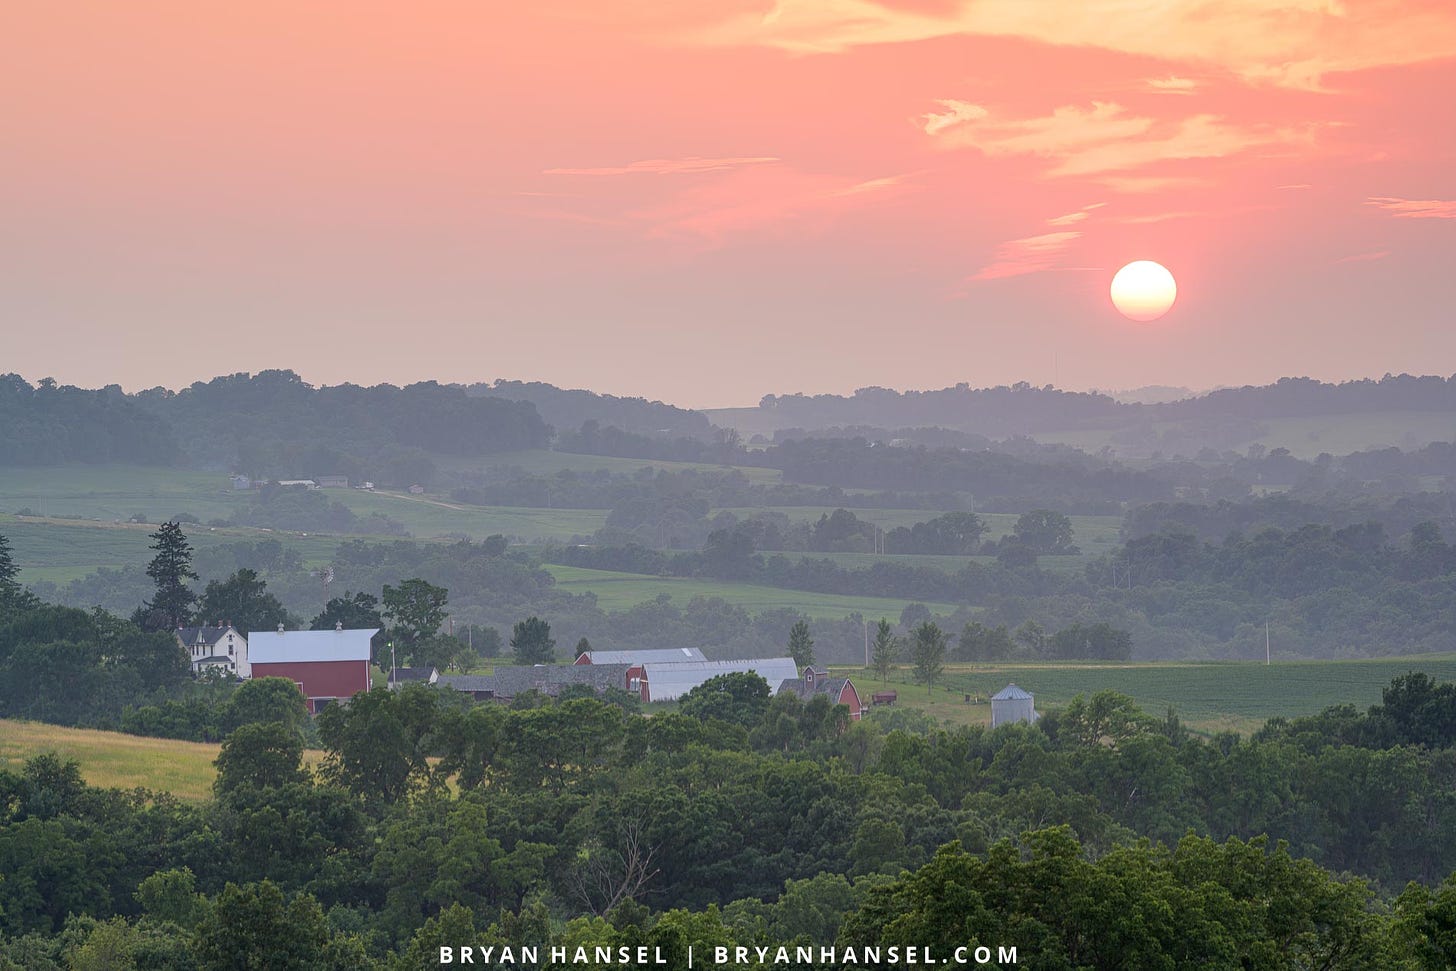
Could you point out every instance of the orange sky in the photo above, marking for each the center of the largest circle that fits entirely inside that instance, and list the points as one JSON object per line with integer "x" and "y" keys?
{"x": 709, "y": 201}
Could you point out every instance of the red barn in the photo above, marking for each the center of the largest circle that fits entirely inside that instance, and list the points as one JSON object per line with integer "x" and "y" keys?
{"x": 327, "y": 665}
{"x": 816, "y": 681}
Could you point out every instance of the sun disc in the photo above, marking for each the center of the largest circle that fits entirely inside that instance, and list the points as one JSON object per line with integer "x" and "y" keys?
{"x": 1143, "y": 290}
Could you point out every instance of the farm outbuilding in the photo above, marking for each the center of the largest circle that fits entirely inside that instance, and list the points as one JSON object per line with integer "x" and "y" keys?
{"x": 1012, "y": 704}
{"x": 635, "y": 660}
{"x": 327, "y": 665}
{"x": 816, "y": 681}
{"x": 668, "y": 681}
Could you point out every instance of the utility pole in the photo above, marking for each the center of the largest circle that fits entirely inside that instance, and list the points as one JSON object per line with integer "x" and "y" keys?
{"x": 866, "y": 623}
{"x": 1267, "y": 660}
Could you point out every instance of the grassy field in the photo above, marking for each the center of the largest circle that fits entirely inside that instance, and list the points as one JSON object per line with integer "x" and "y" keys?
{"x": 618, "y": 591}
{"x": 115, "y": 760}
{"x": 1208, "y": 697}
{"x": 1307, "y": 437}
{"x": 545, "y": 462}
{"x": 61, "y": 550}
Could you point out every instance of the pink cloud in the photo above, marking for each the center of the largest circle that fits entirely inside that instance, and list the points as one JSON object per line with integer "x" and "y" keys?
{"x": 1284, "y": 43}
{"x": 1172, "y": 85}
{"x": 1364, "y": 257}
{"x": 1415, "y": 208}
{"x": 1105, "y": 138}
{"x": 1029, "y": 255}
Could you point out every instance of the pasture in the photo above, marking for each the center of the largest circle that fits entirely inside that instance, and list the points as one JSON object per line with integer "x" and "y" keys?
{"x": 114, "y": 760}
{"x": 619, "y": 591}
{"x": 1208, "y": 697}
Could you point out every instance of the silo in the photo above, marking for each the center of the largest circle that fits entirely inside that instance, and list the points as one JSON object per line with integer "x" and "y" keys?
{"x": 1012, "y": 704}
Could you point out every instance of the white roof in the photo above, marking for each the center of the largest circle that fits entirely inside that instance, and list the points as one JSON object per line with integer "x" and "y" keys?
{"x": 679, "y": 654}
{"x": 1011, "y": 693}
{"x": 273, "y": 647}
{"x": 672, "y": 679}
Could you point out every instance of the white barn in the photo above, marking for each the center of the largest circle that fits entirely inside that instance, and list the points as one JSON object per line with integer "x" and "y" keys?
{"x": 670, "y": 680}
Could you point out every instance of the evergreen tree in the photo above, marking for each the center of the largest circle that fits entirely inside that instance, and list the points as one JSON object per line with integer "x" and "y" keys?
{"x": 170, "y": 569}
{"x": 532, "y": 643}
{"x": 886, "y": 649}
{"x": 801, "y": 645}
{"x": 10, "y": 591}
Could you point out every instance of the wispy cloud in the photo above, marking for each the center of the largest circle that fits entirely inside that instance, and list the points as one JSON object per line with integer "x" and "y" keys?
{"x": 1415, "y": 208}
{"x": 1072, "y": 218}
{"x": 690, "y": 165}
{"x": 1173, "y": 85}
{"x": 956, "y": 112}
{"x": 771, "y": 199}
{"x": 1029, "y": 255}
{"x": 1105, "y": 137}
{"x": 1379, "y": 254}
{"x": 1286, "y": 43}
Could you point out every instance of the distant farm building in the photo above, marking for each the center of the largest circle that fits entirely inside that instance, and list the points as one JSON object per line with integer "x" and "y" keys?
{"x": 220, "y": 647}
{"x": 240, "y": 483}
{"x": 333, "y": 482}
{"x": 508, "y": 681}
{"x": 327, "y": 665}
{"x": 638, "y": 658}
{"x": 403, "y": 676}
{"x": 670, "y": 680}
{"x": 1012, "y": 704}
{"x": 305, "y": 483}
{"x": 416, "y": 490}
{"x": 816, "y": 681}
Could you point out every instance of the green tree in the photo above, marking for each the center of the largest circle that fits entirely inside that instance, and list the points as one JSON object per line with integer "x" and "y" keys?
{"x": 243, "y": 601}
{"x": 1092, "y": 641}
{"x": 357, "y": 611}
{"x": 264, "y": 700}
{"x": 739, "y": 697}
{"x": 265, "y": 755}
{"x": 171, "y": 895}
{"x": 801, "y": 645}
{"x": 886, "y": 649}
{"x": 981, "y": 643}
{"x": 532, "y": 643}
{"x": 171, "y": 606}
{"x": 415, "y": 610}
{"x": 379, "y": 742}
{"x": 1045, "y": 532}
{"x": 9, "y": 574}
{"x": 253, "y": 928}
{"x": 927, "y": 651}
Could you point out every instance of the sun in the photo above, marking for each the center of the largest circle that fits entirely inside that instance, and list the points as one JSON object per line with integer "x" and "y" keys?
{"x": 1143, "y": 290}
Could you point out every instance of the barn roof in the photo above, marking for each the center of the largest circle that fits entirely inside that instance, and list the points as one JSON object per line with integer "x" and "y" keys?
{"x": 832, "y": 687}
{"x": 679, "y": 654}
{"x": 279, "y": 647}
{"x": 512, "y": 680}
{"x": 1012, "y": 693}
{"x": 466, "y": 682}
{"x": 677, "y": 678}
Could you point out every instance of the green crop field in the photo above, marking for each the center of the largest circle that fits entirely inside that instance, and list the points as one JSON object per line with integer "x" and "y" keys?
{"x": 618, "y": 591}
{"x": 1208, "y": 697}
